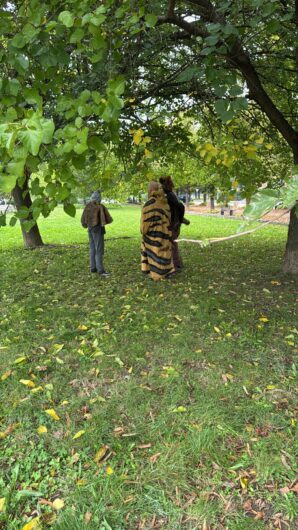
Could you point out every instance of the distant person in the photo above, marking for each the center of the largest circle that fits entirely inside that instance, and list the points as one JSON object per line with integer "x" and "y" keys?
{"x": 156, "y": 247}
{"x": 177, "y": 217}
{"x": 94, "y": 217}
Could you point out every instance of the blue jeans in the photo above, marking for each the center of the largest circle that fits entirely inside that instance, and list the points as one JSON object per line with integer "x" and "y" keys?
{"x": 96, "y": 244}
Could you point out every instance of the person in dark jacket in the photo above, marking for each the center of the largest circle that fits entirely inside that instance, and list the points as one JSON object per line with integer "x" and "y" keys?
{"x": 177, "y": 217}
{"x": 94, "y": 217}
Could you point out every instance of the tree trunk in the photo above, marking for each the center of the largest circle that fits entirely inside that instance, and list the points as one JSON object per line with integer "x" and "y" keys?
{"x": 22, "y": 197}
{"x": 290, "y": 264}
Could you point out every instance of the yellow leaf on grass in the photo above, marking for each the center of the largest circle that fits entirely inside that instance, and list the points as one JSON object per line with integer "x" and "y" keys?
{"x": 109, "y": 470}
{"x": 83, "y": 327}
{"x": 178, "y": 318}
{"x": 179, "y": 409}
{"x": 78, "y": 434}
{"x": 53, "y": 414}
{"x": 20, "y": 360}
{"x": 32, "y": 525}
{"x": 6, "y": 375}
{"x": 42, "y": 429}
{"x": 216, "y": 329}
{"x": 264, "y": 319}
{"x": 36, "y": 389}
{"x": 81, "y": 482}
{"x": 2, "y": 504}
{"x": 58, "y": 504}
{"x": 100, "y": 453}
{"x": 244, "y": 483}
{"x": 27, "y": 382}
{"x": 57, "y": 347}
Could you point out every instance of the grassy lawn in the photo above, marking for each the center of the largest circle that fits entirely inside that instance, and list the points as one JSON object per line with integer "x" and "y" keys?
{"x": 128, "y": 404}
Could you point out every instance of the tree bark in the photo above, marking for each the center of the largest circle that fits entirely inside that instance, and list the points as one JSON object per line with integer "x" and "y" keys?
{"x": 21, "y": 195}
{"x": 290, "y": 264}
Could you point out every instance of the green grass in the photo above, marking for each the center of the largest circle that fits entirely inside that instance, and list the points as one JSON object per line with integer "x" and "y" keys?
{"x": 191, "y": 393}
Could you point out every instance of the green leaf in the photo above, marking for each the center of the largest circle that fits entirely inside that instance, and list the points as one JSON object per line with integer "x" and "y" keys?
{"x": 116, "y": 86}
{"x": 150, "y": 20}
{"x": 70, "y": 209}
{"x": 77, "y": 35}
{"x": 48, "y": 128}
{"x": 32, "y": 139}
{"x": 23, "y": 212}
{"x": 11, "y": 137}
{"x": 27, "y": 225}
{"x": 16, "y": 167}
{"x": 289, "y": 193}
{"x": 13, "y": 220}
{"x": 14, "y": 86}
{"x": 116, "y": 102}
{"x": 222, "y": 107}
{"x": 189, "y": 73}
{"x": 96, "y": 143}
{"x": 2, "y": 219}
{"x": 18, "y": 41}
{"x": 67, "y": 18}
{"x": 212, "y": 40}
{"x": 86, "y": 18}
{"x": 262, "y": 202}
{"x": 78, "y": 122}
{"x": 22, "y": 62}
{"x": 97, "y": 20}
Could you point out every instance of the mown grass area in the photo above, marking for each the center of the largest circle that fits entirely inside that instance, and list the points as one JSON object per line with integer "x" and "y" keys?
{"x": 181, "y": 393}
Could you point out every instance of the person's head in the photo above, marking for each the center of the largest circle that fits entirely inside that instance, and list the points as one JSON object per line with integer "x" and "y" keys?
{"x": 96, "y": 196}
{"x": 167, "y": 183}
{"x": 153, "y": 186}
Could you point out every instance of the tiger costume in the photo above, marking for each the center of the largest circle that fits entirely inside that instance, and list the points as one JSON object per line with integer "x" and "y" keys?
{"x": 156, "y": 246}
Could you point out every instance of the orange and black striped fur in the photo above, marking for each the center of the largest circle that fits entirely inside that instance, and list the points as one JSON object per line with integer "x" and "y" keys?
{"x": 156, "y": 247}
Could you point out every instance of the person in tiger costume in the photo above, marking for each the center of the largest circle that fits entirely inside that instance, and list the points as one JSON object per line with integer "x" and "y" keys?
{"x": 156, "y": 246}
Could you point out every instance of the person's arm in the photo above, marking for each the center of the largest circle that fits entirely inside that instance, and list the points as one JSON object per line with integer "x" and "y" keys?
{"x": 83, "y": 219}
{"x": 178, "y": 205}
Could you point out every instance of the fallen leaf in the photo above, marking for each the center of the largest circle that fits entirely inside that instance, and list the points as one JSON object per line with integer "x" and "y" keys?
{"x": 5, "y": 375}
{"x": 32, "y": 525}
{"x": 118, "y": 361}
{"x": 155, "y": 457}
{"x": 8, "y": 431}
{"x": 20, "y": 360}
{"x": 101, "y": 453}
{"x": 58, "y": 504}
{"x": 53, "y": 414}
{"x": 82, "y": 327}
{"x": 36, "y": 389}
{"x": 27, "y": 382}
{"x": 216, "y": 329}
{"x": 87, "y": 517}
{"x": 42, "y": 429}
{"x": 109, "y": 470}
{"x": 81, "y": 482}
{"x": 78, "y": 434}
{"x": 244, "y": 483}
{"x": 2, "y": 504}
{"x": 264, "y": 319}
{"x": 284, "y": 490}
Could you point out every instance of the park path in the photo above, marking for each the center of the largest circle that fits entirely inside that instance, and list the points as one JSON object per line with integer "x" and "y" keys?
{"x": 273, "y": 216}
